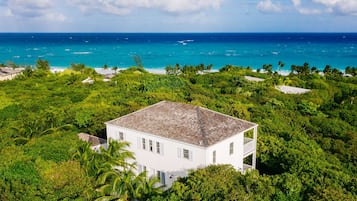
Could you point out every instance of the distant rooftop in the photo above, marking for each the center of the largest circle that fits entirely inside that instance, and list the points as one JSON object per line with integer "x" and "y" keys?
{"x": 93, "y": 140}
{"x": 9, "y": 71}
{"x": 292, "y": 90}
{"x": 254, "y": 79}
{"x": 184, "y": 122}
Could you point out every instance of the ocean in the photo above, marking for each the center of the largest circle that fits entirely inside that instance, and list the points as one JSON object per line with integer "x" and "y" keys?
{"x": 157, "y": 50}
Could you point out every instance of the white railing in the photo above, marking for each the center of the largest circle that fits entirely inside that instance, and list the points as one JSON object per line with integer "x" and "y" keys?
{"x": 249, "y": 146}
{"x": 247, "y": 167}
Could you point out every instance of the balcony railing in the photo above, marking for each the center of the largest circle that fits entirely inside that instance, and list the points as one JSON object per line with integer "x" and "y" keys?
{"x": 247, "y": 167}
{"x": 249, "y": 146}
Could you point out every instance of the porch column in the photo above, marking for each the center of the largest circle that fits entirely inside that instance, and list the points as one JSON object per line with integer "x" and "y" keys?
{"x": 255, "y": 133}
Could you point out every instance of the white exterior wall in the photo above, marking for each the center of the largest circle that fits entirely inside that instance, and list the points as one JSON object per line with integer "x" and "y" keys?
{"x": 8, "y": 77}
{"x": 170, "y": 160}
{"x": 222, "y": 152}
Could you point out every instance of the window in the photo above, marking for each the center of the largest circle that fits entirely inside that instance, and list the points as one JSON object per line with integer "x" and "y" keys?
{"x": 214, "y": 157}
{"x": 143, "y": 142}
{"x": 231, "y": 148}
{"x": 150, "y": 145}
{"x": 186, "y": 153}
{"x": 121, "y": 136}
{"x": 161, "y": 176}
{"x": 158, "y": 147}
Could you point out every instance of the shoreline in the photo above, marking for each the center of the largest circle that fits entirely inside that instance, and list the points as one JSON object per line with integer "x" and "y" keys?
{"x": 159, "y": 71}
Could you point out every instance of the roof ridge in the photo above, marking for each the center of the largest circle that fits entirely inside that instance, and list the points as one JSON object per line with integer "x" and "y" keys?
{"x": 203, "y": 133}
{"x": 140, "y": 110}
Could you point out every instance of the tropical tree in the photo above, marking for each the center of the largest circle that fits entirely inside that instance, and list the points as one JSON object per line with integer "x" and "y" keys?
{"x": 281, "y": 65}
{"x": 115, "y": 68}
{"x": 42, "y": 65}
{"x": 117, "y": 178}
{"x": 327, "y": 70}
{"x": 268, "y": 68}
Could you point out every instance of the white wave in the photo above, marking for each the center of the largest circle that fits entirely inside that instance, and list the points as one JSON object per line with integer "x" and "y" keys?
{"x": 184, "y": 42}
{"x": 67, "y": 49}
{"x": 35, "y": 49}
{"x": 275, "y": 53}
{"x": 82, "y": 53}
{"x": 16, "y": 56}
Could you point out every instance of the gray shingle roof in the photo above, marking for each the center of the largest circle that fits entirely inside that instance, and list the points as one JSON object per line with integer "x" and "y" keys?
{"x": 93, "y": 140}
{"x": 183, "y": 122}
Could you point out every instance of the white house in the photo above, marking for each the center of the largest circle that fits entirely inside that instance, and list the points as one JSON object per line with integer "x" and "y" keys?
{"x": 7, "y": 73}
{"x": 168, "y": 139}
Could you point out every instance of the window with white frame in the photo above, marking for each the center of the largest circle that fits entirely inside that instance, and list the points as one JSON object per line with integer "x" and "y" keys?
{"x": 121, "y": 136}
{"x": 143, "y": 143}
{"x": 158, "y": 147}
{"x": 186, "y": 153}
{"x": 214, "y": 157}
{"x": 150, "y": 145}
{"x": 231, "y": 148}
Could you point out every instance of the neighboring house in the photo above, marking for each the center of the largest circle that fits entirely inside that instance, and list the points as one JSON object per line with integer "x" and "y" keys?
{"x": 95, "y": 141}
{"x": 7, "y": 73}
{"x": 168, "y": 139}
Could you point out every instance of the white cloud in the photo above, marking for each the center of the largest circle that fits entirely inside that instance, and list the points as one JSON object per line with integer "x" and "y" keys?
{"x": 304, "y": 10}
{"x": 308, "y": 11}
{"x": 38, "y": 9}
{"x": 296, "y": 2}
{"x": 341, "y": 7}
{"x": 123, "y": 7}
{"x": 267, "y": 6}
{"x": 344, "y": 7}
{"x": 25, "y": 8}
{"x": 55, "y": 17}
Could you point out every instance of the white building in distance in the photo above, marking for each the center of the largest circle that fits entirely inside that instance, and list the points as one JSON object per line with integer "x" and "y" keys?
{"x": 168, "y": 139}
{"x": 7, "y": 73}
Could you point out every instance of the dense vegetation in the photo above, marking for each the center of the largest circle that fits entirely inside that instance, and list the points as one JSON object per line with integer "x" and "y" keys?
{"x": 307, "y": 144}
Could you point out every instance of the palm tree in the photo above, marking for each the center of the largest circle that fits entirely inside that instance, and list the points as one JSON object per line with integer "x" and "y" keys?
{"x": 105, "y": 67}
{"x": 268, "y": 68}
{"x": 281, "y": 65}
{"x": 209, "y": 67}
{"x": 327, "y": 70}
{"x": 87, "y": 158}
{"x": 115, "y": 68}
{"x": 169, "y": 70}
{"x": 118, "y": 155}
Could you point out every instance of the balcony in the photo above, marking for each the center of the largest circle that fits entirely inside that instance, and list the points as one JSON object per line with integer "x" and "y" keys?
{"x": 249, "y": 146}
{"x": 247, "y": 167}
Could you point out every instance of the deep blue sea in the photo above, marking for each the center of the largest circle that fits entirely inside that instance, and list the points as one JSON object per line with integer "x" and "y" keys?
{"x": 158, "y": 50}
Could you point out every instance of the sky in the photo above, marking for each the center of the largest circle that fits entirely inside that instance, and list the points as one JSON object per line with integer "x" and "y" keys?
{"x": 178, "y": 15}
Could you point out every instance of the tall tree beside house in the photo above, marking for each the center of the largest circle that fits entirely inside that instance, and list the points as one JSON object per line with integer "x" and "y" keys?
{"x": 114, "y": 173}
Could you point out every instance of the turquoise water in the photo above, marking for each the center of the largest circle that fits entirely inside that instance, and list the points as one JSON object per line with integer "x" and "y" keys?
{"x": 159, "y": 50}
